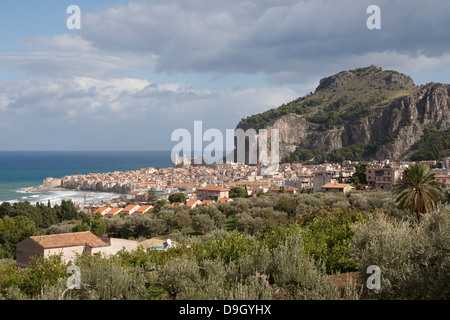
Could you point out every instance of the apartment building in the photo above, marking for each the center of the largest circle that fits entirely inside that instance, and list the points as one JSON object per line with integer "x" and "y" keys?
{"x": 443, "y": 178}
{"x": 214, "y": 193}
{"x": 383, "y": 178}
{"x": 323, "y": 177}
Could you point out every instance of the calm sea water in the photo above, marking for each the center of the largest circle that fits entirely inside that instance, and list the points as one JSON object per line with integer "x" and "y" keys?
{"x": 22, "y": 169}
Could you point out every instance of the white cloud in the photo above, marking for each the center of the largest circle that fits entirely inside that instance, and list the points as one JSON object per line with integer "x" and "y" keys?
{"x": 290, "y": 41}
{"x": 127, "y": 111}
{"x": 273, "y": 37}
{"x": 100, "y": 81}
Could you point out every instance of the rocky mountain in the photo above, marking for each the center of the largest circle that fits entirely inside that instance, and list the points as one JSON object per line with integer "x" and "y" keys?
{"x": 362, "y": 114}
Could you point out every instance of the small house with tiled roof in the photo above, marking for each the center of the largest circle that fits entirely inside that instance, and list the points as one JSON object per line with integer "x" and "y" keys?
{"x": 192, "y": 203}
{"x": 213, "y": 193}
{"x": 337, "y": 187}
{"x": 142, "y": 209}
{"x": 206, "y": 202}
{"x": 113, "y": 212}
{"x": 102, "y": 210}
{"x": 130, "y": 209}
{"x": 68, "y": 245}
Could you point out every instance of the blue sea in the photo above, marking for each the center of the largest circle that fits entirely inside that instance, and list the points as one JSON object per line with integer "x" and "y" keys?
{"x": 24, "y": 169}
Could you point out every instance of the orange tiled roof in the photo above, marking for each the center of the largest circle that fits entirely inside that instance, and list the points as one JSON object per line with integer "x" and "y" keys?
{"x": 335, "y": 185}
{"x": 74, "y": 239}
{"x": 213, "y": 188}
{"x": 176, "y": 204}
{"x": 101, "y": 209}
{"x": 114, "y": 211}
{"x": 191, "y": 202}
{"x": 144, "y": 208}
{"x": 130, "y": 207}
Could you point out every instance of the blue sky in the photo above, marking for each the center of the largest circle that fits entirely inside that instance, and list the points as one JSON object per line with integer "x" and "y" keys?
{"x": 137, "y": 70}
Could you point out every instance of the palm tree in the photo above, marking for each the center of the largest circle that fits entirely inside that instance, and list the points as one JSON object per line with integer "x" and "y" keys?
{"x": 418, "y": 190}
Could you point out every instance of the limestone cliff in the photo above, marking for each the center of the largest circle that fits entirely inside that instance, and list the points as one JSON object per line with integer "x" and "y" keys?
{"x": 366, "y": 113}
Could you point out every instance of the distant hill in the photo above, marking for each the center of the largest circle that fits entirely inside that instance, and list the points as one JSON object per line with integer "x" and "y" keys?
{"x": 362, "y": 114}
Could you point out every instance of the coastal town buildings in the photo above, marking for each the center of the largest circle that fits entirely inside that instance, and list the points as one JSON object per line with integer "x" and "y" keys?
{"x": 213, "y": 193}
{"x": 443, "y": 178}
{"x": 446, "y": 163}
{"x": 130, "y": 209}
{"x": 383, "y": 178}
{"x": 321, "y": 178}
{"x": 213, "y": 182}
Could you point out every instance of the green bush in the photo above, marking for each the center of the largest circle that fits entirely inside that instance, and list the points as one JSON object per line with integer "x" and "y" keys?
{"x": 141, "y": 226}
{"x": 414, "y": 258}
{"x": 12, "y": 231}
{"x": 230, "y": 247}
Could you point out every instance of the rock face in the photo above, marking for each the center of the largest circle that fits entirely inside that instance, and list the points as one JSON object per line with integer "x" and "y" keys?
{"x": 366, "y": 106}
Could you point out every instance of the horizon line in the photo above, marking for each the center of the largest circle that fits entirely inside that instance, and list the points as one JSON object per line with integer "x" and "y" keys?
{"x": 84, "y": 150}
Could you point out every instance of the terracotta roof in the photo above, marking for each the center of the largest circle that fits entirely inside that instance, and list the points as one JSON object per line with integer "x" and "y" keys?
{"x": 191, "y": 202}
{"x": 144, "y": 208}
{"x": 183, "y": 185}
{"x": 213, "y": 188}
{"x": 335, "y": 185}
{"x": 223, "y": 200}
{"x": 130, "y": 207}
{"x": 113, "y": 211}
{"x": 101, "y": 209}
{"x": 176, "y": 204}
{"x": 74, "y": 239}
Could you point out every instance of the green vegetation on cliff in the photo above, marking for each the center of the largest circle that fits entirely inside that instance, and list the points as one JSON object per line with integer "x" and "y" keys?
{"x": 361, "y": 114}
{"x": 433, "y": 145}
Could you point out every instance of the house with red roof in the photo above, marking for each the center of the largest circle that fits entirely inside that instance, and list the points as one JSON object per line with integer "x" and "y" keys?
{"x": 192, "y": 203}
{"x": 102, "y": 210}
{"x": 213, "y": 193}
{"x": 130, "y": 209}
{"x": 113, "y": 212}
{"x": 143, "y": 209}
{"x": 70, "y": 245}
{"x": 66, "y": 244}
{"x": 337, "y": 187}
{"x": 206, "y": 202}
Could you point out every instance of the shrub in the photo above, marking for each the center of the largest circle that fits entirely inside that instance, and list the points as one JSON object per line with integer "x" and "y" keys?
{"x": 414, "y": 259}
{"x": 229, "y": 247}
{"x": 63, "y": 227}
{"x": 81, "y": 227}
{"x": 202, "y": 223}
{"x": 328, "y": 239}
{"x": 141, "y": 226}
{"x": 101, "y": 279}
{"x": 298, "y": 275}
{"x": 217, "y": 216}
{"x": 247, "y": 223}
{"x": 98, "y": 227}
{"x": 43, "y": 273}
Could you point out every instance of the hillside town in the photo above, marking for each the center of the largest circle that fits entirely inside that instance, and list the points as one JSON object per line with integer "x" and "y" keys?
{"x": 204, "y": 184}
